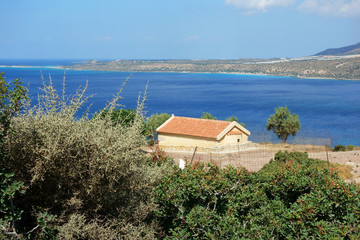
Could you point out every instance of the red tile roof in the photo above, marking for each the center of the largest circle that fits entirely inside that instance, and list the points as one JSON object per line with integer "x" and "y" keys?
{"x": 194, "y": 127}
{"x": 234, "y": 131}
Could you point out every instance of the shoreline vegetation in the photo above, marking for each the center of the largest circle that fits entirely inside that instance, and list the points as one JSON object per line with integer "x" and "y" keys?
{"x": 318, "y": 67}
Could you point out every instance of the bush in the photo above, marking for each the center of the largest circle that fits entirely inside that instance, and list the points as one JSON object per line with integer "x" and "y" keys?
{"x": 119, "y": 116}
{"x": 290, "y": 198}
{"x": 199, "y": 201}
{"x": 72, "y": 165}
{"x": 9, "y": 214}
{"x": 159, "y": 157}
{"x": 339, "y": 148}
{"x": 350, "y": 147}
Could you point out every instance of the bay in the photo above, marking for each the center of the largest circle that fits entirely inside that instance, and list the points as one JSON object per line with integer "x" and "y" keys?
{"x": 326, "y": 108}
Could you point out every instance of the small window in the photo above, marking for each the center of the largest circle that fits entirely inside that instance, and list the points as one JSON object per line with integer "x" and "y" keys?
{"x": 238, "y": 140}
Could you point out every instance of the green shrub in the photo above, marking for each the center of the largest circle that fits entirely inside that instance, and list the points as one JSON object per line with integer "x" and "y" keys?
{"x": 293, "y": 197}
{"x": 159, "y": 157}
{"x": 9, "y": 214}
{"x": 338, "y": 148}
{"x": 119, "y": 116}
{"x": 350, "y": 147}
{"x": 198, "y": 202}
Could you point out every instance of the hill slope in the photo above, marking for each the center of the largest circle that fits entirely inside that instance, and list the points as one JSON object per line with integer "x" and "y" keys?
{"x": 352, "y": 49}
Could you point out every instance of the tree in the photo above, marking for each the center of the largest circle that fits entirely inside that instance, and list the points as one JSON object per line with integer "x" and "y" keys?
{"x": 155, "y": 121}
{"x": 207, "y": 115}
{"x": 235, "y": 119}
{"x": 283, "y": 123}
{"x": 232, "y": 119}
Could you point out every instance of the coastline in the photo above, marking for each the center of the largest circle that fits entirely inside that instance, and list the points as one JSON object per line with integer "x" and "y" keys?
{"x": 197, "y": 72}
{"x": 230, "y": 73}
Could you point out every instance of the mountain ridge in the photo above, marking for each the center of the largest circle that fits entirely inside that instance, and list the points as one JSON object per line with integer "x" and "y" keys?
{"x": 348, "y": 50}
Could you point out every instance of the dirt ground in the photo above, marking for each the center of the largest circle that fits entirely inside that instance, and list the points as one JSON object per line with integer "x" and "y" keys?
{"x": 256, "y": 157}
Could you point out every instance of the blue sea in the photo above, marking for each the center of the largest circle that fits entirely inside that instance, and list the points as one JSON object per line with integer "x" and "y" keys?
{"x": 326, "y": 108}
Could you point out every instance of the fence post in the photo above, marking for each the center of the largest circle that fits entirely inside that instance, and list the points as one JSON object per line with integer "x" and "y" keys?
{"x": 193, "y": 155}
{"x": 327, "y": 157}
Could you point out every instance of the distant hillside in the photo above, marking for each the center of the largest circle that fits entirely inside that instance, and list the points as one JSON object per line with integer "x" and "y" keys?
{"x": 336, "y": 67}
{"x": 353, "y": 49}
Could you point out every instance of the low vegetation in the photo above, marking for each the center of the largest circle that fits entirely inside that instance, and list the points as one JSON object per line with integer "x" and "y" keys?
{"x": 342, "y": 148}
{"x": 69, "y": 177}
{"x": 292, "y": 197}
{"x": 83, "y": 178}
{"x": 317, "y": 67}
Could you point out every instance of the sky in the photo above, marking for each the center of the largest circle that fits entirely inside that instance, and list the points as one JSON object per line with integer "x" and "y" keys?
{"x": 175, "y": 29}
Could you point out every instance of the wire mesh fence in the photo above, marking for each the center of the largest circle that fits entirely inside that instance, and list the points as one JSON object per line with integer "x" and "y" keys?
{"x": 304, "y": 137}
{"x": 253, "y": 156}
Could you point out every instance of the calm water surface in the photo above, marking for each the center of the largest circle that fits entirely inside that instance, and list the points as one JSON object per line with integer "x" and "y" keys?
{"x": 327, "y": 108}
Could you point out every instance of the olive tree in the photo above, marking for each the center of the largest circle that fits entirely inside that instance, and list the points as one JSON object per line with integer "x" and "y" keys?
{"x": 207, "y": 115}
{"x": 235, "y": 119}
{"x": 283, "y": 123}
{"x": 153, "y": 122}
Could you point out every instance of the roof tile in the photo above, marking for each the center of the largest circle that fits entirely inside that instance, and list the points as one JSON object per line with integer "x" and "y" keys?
{"x": 194, "y": 127}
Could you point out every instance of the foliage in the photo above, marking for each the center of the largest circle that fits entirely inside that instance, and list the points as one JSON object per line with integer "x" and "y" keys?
{"x": 119, "y": 116}
{"x": 350, "y": 147}
{"x": 71, "y": 165}
{"x": 79, "y": 227}
{"x": 292, "y": 197}
{"x": 45, "y": 228}
{"x": 207, "y": 115}
{"x": 11, "y": 101}
{"x": 339, "y": 148}
{"x": 235, "y": 119}
{"x": 232, "y": 119}
{"x": 319, "y": 203}
{"x": 196, "y": 201}
{"x": 283, "y": 123}
{"x": 342, "y": 148}
{"x": 9, "y": 214}
{"x": 159, "y": 157}
{"x": 153, "y": 122}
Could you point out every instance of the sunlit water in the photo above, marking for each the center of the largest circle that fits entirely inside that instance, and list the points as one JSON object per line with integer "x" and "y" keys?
{"x": 327, "y": 108}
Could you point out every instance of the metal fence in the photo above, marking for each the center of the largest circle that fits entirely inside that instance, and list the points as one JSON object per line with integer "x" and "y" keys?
{"x": 304, "y": 137}
{"x": 254, "y": 156}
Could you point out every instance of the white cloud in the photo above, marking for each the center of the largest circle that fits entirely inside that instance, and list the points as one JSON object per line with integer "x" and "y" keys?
{"x": 259, "y": 5}
{"x": 337, "y": 8}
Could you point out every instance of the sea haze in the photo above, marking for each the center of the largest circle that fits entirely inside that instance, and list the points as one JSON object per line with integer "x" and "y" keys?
{"x": 327, "y": 108}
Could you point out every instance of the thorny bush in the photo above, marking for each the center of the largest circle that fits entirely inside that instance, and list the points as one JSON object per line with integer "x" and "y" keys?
{"x": 73, "y": 166}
